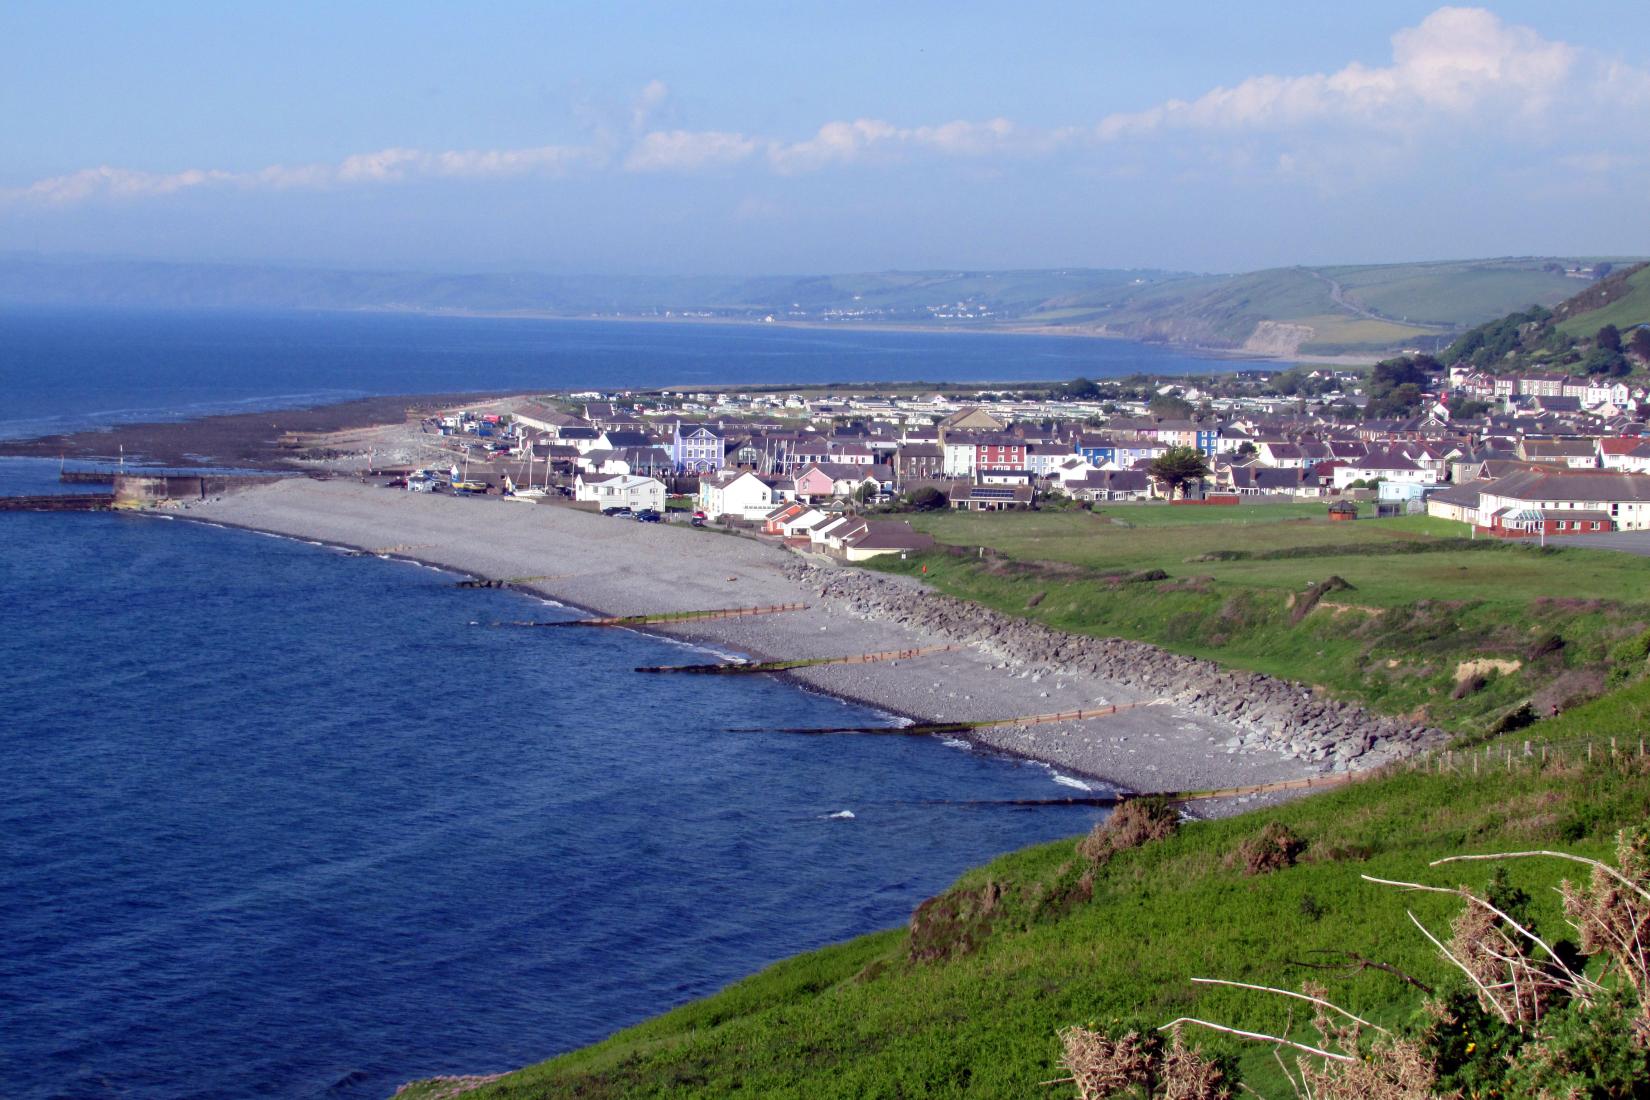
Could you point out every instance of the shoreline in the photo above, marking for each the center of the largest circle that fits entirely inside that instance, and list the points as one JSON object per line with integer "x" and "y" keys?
{"x": 622, "y": 568}
{"x": 705, "y": 643}
{"x": 265, "y": 439}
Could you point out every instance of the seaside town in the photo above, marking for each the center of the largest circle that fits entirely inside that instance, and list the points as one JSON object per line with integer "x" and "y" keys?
{"x": 1072, "y": 551}
{"x": 1531, "y": 455}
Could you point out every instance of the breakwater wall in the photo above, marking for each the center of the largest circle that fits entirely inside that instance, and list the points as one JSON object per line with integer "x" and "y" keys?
{"x": 152, "y": 488}
{"x": 1268, "y": 712}
{"x": 58, "y": 502}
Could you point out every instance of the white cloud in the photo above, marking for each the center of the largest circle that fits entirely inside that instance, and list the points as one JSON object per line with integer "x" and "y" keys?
{"x": 1457, "y": 64}
{"x": 118, "y": 182}
{"x": 1460, "y": 79}
{"x": 687, "y": 150}
{"x": 380, "y": 167}
{"x": 845, "y": 142}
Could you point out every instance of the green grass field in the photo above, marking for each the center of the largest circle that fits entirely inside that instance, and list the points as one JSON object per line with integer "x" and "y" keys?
{"x": 1154, "y": 536}
{"x": 1422, "y": 602}
{"x": 1033, "y": 949}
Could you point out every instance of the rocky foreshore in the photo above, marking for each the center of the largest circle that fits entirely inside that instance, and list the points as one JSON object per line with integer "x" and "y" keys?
{"x": 1268, "y": 712}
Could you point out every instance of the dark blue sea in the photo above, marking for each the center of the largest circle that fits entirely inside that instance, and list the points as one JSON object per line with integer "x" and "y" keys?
{"x": 64, "y": 370}
{"x": 285, "y": 821}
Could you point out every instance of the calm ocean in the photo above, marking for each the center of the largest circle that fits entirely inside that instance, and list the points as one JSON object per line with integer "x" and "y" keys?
{"x": 284, "y": 821}
{"x": 63, "y": 370}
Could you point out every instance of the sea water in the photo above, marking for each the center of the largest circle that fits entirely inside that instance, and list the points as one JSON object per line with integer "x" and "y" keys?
{"x": 69, "y": 369}
{"x": 285, "y": 821}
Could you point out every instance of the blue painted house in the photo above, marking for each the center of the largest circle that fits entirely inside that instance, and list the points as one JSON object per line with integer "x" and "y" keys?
{"x": 1098, "y": 449}
{"x": 698, "y": 448}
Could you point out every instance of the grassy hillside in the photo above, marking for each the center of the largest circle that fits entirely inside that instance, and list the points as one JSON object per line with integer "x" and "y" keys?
{"x": 1452, "y": 294}
{"x": 1631, "y": 308}
{"x": 1041, "y": 939}
{"x": 1347, "y": 309}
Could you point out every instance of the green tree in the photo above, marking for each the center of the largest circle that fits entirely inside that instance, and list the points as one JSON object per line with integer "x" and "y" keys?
{"x": 1178, "y": 467}
{"x": 1605, "y": 361}
{"x": 926, "y": 499}
{"x": 1170, "y": 407}
{"x": 1608, "y": 338}
{"x": 1640, "y": 342}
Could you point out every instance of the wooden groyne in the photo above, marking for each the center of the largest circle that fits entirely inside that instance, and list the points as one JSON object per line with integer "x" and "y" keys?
{"x": 664, "y": 617}
{"x": 1315, "y": 782}
{"x": 930, "y": 728}
{"x": 735, "y": 668}
{"x": 59, "y": 502}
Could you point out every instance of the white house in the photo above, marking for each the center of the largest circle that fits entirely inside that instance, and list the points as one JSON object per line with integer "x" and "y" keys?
{"x": 1565, "y": 500}
{"x": 737, "y": 493}
{"x": 1387, "y": 467}
{"x": 958, "y": 460}
{"x": 1074, "y": 468}
{"x": 620, "y": 491}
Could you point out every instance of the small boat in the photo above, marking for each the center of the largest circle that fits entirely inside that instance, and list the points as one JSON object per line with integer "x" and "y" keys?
{"x": 527, "y": 495}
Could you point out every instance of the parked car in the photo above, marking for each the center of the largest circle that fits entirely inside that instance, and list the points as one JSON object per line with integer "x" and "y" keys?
{"x": 648, "y": 515}
{"x": 621, "y": 512}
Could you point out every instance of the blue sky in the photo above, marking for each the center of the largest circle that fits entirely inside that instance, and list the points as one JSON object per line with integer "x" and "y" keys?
{"x": 750, "y": 138}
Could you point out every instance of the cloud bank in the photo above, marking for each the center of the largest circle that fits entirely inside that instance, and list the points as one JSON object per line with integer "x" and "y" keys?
{"x": 1459, "y": 71}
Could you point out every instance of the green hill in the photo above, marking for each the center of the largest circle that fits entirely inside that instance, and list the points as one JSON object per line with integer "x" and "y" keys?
{"x": 1622, "y": 300}
{"x": 1562, "y": 338}
{"x": 1318, "y": 311}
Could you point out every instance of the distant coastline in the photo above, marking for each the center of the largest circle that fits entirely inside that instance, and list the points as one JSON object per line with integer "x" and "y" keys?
{"x": 1199, "y": 351}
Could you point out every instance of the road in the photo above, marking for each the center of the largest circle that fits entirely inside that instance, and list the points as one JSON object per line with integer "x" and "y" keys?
{"x": 1337, "y": 294}
{"x": 1627, "y": 542}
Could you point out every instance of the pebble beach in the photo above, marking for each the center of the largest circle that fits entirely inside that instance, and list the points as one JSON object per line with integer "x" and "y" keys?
{"x": 616, "y": 567}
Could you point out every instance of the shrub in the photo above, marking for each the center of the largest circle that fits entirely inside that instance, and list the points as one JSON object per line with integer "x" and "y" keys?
{"x": 1136, "y": 822}
{"x": 926, "y": 499}
{"x": 1273, "y": 849}
{"x": 1543, "y": 645}
{"x": 1138, "y": 1063}
{"x": 1469, "y": 685}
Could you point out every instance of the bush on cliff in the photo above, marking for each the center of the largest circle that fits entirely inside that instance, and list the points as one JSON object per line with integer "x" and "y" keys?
{"x": 1136, "y": 822}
